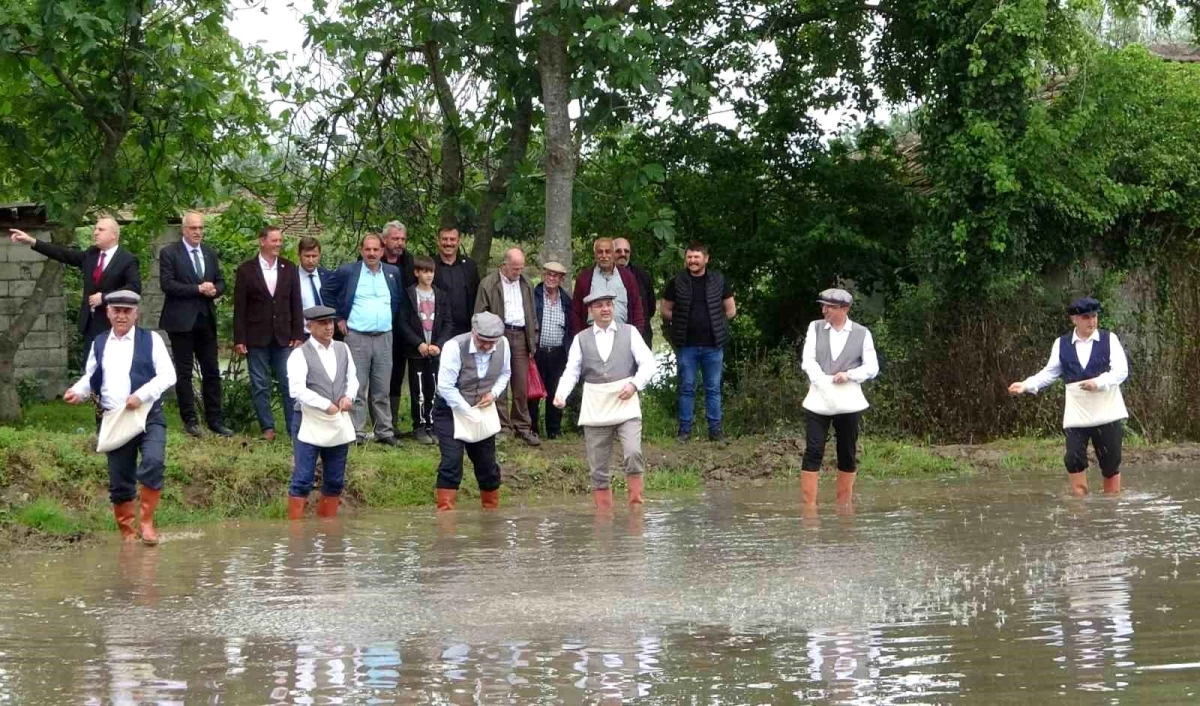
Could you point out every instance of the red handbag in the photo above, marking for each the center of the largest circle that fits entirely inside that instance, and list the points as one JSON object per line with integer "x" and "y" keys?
{"x": 535, "y": 388}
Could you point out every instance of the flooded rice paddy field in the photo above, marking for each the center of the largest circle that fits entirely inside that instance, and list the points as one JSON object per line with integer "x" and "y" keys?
{"x": 986, "y": 590}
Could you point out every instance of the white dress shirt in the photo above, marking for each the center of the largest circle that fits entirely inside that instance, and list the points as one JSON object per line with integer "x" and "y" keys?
{"x": 270, "y": 272}
{"x": 297, "y": 372}
{"x": 837, "y": 343}
{"x": 108, "y": 256}
{"x": 451, "y": 363}
{"x": 1118, "y": 364}
{"x": 646, "y": 364}
{"x": 118, "y": 361}
{"x": 514, "y": 305}
{"x": 192, "y": 259}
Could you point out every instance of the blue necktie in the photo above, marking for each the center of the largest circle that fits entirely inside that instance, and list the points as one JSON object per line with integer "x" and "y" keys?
{"x": 312, "y": 282}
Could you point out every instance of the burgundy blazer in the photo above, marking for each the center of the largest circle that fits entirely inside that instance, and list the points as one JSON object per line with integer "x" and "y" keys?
{"x": 583, "y": 287}
{"x": 258, "y": 317}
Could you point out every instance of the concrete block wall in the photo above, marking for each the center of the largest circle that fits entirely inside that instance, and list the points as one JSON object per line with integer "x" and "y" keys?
{"x": 43, "y": 354}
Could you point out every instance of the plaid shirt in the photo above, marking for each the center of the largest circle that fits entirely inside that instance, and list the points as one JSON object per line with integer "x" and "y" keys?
{"x": 554, "y": 321}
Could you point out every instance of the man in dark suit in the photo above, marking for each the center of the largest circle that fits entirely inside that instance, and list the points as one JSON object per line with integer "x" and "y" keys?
{"x": 268, "y": 322}
{"x": 191, "y": 280}
{"x": 315, "y": 281}
{"x": 368, "y": 301}
{"x": 106, "y": 268}
{"x": 623, "y": 252}
{"x": 396, "y": 254}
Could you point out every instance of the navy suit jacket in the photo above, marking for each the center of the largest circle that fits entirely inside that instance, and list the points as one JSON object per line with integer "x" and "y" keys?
{"x": 344, "y": 283}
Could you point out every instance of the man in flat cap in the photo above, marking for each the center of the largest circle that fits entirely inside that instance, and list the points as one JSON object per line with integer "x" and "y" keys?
{"x": 323, "y": 382}
{"x": 553, "y": 304}
{"x": 130, "y": 369}
{"x": 839, "y": 356}
{"x": 474, "y": 372}
{"x": 1093, "y": 364}
{"x": 615, "y": 363}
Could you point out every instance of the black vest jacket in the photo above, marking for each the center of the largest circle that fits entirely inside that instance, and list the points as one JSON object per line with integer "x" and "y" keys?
{"x": 715, "y": 287}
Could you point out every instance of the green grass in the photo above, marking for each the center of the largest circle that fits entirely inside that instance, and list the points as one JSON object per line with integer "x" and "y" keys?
{"x": 54, "y": 484}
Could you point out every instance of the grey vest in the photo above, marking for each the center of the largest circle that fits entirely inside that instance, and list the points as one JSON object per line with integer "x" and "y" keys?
{"x": 620, "y": 364}
{"x": 470, "y": 385}
{"x": 318, "y": 380}
{"x": 851, "y": 356}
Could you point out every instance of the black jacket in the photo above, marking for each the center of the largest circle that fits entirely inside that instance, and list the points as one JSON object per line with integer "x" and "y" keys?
{"x": 119, "y": 273}
{"x": 183, "y": 302}
{"x": 410, "y": 323}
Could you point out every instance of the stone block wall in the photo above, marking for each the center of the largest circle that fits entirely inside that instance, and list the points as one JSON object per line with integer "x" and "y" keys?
{"x": 42, "y": 356}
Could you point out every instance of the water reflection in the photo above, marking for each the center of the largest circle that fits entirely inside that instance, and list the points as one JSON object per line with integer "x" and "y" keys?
{"x": 923, "y": 593}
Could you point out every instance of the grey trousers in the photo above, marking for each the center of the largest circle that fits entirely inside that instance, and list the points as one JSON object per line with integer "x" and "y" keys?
{"x": 373, "y": 363}
{"x": 599, "y": 442}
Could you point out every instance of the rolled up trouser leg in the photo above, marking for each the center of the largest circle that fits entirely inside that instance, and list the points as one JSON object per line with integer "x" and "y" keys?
{"x": 1106, "y": 439}
{"x": 598, "y": 445}
{"x": 1075, "y": 459}
{"x": 630, "y": 435}
{"x": 845, "y": 426}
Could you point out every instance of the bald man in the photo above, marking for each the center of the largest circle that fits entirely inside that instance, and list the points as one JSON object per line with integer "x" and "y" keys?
{"x": 190, "y": 275}
{"x": 106, "y": 268}
{"x": 507, "y": 293}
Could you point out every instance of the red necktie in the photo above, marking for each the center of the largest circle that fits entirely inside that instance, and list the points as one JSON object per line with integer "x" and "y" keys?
{"x": 99, "y": 270}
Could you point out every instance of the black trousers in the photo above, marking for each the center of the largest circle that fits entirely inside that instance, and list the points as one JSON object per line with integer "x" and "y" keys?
{"x": 422, "y": 383}
{"x": 481, "y": 453}
{"x": 551, "y": 363}
{"x": 124, "y": 471}
{"x": 1106, "y": 440}
{"x": 198, "y": 344}
{"x": 845, "y": 427}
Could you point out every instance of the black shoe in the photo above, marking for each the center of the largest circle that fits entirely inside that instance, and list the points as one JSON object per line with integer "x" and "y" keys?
{"x": 716, "y": 436}
{"x": 221, "y": 430}
{"x": 193, "y": 429}
{"x": 553, "y": 435}
{"x": 529, "y": 438}
{"x": 683, "y": 436}
{"x": 387, "y": 440}
{"x": 422, "y": 437}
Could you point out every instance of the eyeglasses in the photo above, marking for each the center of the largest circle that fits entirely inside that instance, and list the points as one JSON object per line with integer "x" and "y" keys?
{"x": 621, "y": 252}
{"x": 548, "y": 273}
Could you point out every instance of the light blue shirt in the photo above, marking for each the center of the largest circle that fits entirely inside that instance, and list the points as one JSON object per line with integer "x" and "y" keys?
{"x": 451, "y": 364}
{"x": 372, "y": 310}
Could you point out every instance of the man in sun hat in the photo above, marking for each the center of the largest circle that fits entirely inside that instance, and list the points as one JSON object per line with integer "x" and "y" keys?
{"x": 553, "y": 305}
{"x": 1093, "y": 364}
{"x": 129, "y": 368}
{"x": 474, "y": 372}
{"x": 839, "y": 356}
{"x": 323, "y": 382}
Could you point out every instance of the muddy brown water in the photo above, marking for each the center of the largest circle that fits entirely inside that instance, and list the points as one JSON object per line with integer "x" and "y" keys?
{"x": 997, "y": 590}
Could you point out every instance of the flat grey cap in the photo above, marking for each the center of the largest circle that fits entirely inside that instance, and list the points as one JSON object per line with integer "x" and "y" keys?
{"x": 487, "y": 326}
{"x": 835, "y": 297}
{"x": 597, "y": 297}
{"x": 122, "y": 297}
{"x": 317, "y": 313}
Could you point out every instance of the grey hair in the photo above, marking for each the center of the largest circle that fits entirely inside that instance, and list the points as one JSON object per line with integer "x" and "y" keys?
{"x": 394, "y": 225}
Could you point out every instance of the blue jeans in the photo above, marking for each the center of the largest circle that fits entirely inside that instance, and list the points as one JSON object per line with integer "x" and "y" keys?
{"x": 262, "y": 362}
{"x": 333, "y": 474}
{"x": 709, "y": 360}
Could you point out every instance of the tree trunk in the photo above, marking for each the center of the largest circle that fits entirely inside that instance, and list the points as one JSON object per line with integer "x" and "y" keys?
{"x": 514, "y": 152}
{"x": 560, "y": 149}
{"x": 451, "y": 187}
{"x": 48, "y": 282}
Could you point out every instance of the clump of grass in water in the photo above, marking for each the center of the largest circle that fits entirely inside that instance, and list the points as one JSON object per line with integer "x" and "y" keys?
{"x": 46, "y": 515}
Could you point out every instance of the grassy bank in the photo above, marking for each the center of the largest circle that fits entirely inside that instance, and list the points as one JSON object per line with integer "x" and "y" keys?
{"x": 53, "y": 484}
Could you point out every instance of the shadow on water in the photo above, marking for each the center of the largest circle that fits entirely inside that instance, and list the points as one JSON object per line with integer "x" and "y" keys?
{"x": 990, "y": 589}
